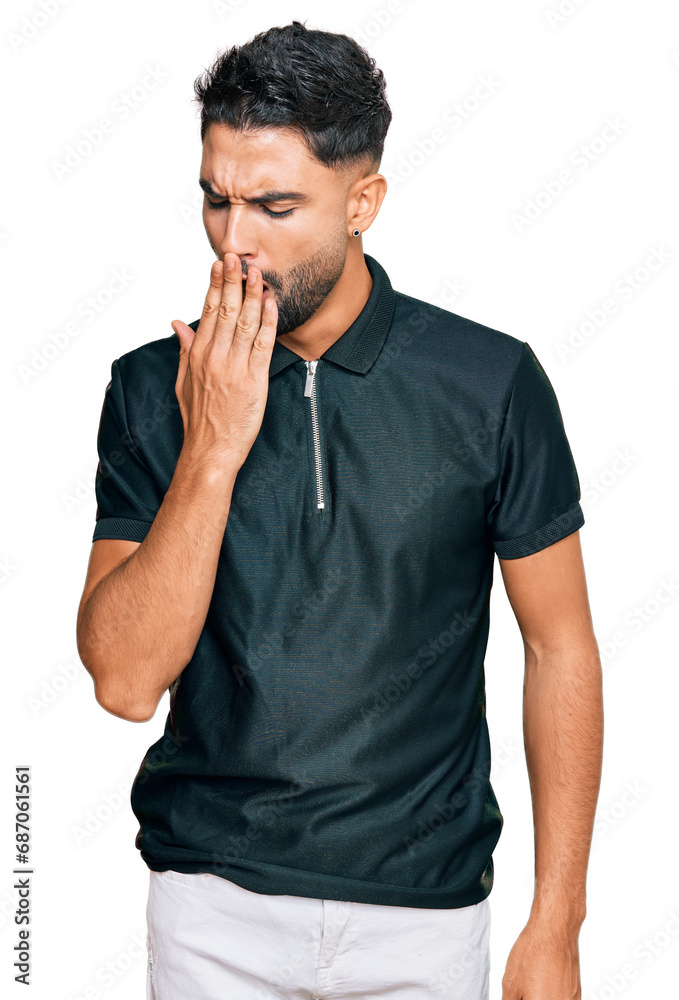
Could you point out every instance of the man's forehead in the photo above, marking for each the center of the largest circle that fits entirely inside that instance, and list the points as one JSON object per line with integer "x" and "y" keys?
{"x": 257, "y": 162}
{"x": 264, "y": 160}
{"x": 267, "y": 148}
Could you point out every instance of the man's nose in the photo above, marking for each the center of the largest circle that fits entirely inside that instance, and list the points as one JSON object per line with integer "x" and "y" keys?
{"x": 238, "y": 237}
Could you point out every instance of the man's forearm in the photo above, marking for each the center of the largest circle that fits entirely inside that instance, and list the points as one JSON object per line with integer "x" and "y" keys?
{"x": 563, "y": 736}
{"x": 142, "y": 621}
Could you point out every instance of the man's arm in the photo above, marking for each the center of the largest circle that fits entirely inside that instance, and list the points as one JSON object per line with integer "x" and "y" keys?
{"x": 139, "y": 621}
{"x": 140, "y": 618}
{"x": 563, "y": 738}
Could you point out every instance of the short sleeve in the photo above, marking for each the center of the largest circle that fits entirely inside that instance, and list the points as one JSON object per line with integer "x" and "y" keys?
{"x": 537, "y": 501}
{"x": 125, "y": 489}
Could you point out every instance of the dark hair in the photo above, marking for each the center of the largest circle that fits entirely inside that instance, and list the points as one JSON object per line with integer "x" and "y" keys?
{"x": 321, "y": 84}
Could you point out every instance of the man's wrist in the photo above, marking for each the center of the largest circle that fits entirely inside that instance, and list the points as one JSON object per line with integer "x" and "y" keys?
{"x": 211, "y": 468}
{"x": 562, "y": 915}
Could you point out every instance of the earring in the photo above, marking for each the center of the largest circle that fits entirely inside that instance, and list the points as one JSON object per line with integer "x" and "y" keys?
{"x": 357, "y": 232}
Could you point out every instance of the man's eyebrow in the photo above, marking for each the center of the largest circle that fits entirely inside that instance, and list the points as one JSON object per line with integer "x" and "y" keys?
{"x": 265, "y": 198}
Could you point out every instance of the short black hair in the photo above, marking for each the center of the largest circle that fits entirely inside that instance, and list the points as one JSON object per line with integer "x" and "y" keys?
{"x": 321, "y": 84}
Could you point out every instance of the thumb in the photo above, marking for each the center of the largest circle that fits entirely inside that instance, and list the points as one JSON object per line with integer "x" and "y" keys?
{"x": 184, "y": 333}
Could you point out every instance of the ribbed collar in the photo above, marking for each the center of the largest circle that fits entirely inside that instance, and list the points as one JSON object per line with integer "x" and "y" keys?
{"x": 358, "y": 347}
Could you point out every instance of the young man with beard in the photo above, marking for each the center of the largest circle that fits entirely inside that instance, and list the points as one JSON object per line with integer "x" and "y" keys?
{"x": 300, "y": 497}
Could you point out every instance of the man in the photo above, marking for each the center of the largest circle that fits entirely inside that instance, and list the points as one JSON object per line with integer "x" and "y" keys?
{"x": 300, "y": 497}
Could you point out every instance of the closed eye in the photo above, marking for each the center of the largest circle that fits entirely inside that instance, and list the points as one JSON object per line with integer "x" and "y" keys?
{"x": 277, "y": 215}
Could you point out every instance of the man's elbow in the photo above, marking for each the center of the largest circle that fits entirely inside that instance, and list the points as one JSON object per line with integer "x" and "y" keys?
{"x": 109, "y": 689}
{"x": 124, "y": 708}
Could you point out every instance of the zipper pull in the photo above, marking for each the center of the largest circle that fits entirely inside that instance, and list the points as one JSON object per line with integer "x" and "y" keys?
{"x": 311, "y": 368}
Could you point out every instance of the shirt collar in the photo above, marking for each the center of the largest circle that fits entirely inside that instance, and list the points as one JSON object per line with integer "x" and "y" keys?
{"x": 357, "y": 348}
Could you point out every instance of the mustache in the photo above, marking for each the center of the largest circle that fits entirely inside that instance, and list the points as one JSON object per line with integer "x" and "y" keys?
{"x": 244, "y": 275}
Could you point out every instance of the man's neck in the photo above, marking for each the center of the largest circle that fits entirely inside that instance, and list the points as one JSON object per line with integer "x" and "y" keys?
{"x": 334, "y": 317}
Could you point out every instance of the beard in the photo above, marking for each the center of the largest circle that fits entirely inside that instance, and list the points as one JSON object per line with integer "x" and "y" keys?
{"x": 303, "y": 288}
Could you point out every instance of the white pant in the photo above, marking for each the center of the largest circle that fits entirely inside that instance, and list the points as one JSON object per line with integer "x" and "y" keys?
{"x": 211, "y": 939}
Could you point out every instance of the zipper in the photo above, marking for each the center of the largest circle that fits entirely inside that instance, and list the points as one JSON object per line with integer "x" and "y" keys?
{"x": 310, "y": 391}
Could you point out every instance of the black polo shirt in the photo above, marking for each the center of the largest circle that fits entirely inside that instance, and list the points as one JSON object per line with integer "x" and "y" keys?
{"x": 328, "y": 737}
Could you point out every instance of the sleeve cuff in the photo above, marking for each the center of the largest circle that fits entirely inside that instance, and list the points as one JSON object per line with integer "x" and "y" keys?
{"x": 526, "y": 545}
{"x": 121, "y": 527}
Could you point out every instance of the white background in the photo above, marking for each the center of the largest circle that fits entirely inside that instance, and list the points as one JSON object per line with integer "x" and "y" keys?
{"x": 449, "y": 220}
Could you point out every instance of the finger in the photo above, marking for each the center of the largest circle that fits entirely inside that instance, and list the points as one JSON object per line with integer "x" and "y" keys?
{"x": 185, "y": 336}
{"x": 250, "y": 317}
{"x": 262, "y": 345}
{"x": 230, "y": 302}
{"x": 208, "y": 318}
